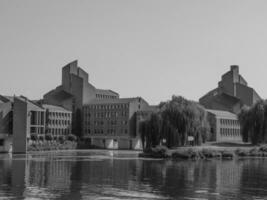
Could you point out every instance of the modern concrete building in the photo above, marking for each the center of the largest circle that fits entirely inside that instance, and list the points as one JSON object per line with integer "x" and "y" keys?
{"x": 225, "y": 102}
{"x": 28, "y": 118}
{"x": 58, "y": 120}
{"x": 231, "y": 94}
{"x": 74, "y": 92}
{"x": 111, "y": 123}
{"x": 224, "y": 125}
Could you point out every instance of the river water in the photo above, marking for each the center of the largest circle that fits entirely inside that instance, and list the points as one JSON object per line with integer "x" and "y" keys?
{"x": 122, "y": 175}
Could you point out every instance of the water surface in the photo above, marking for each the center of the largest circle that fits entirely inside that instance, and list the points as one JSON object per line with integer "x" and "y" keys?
{"x": 122, "y": 175}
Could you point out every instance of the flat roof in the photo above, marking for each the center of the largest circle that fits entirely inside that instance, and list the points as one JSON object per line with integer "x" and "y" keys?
{"x": 113, "y": 101}
{"x": 55, "y": 108}
{"x": 222, "y": 113}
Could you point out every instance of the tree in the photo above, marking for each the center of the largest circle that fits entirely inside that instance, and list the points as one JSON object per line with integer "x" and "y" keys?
{"x": 176, "y": 120}
{"x": 253, "y": 122}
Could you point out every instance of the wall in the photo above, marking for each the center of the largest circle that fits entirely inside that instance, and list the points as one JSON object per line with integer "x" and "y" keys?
{"x": 245, "y": 94}
{"x": 20, "y": 123}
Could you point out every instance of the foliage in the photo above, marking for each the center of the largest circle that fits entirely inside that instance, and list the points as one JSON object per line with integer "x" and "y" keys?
{"x": 41, "y": 137}
{"x": 61, "y": 138}
{"x": 34, "y": 137}
{"x": 71, "y": 137}
{"x": 253, "y": 122}
{"x": 176, "y": 120}
{"x": 48, "y": 137}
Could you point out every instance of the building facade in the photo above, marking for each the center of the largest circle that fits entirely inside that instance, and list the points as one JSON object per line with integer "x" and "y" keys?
{"x": 224, "y": 125}
{"x": 231, "y": 94}
{"x": 225, "y": 102}
{"x": 58, "y": 120}
{"x": 74, "y": 92}
{"x": 112, "y": 123}
{"x": 28, "y": 119}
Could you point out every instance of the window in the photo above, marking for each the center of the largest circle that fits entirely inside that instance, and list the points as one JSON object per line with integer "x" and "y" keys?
{"x": 1, "y": 142}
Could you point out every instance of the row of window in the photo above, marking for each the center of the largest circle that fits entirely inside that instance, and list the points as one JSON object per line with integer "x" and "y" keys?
{"x": 229, "y": 132}
{"x": 109, "y": 131}
{"x": 58, "y": 131}
{"x": 37, "y": 118}
{"x": 106, "y": 114}
{"x": 229, "y": 122}
{"x": 108, "y": 106}
{"x": 112, "y": 122}
{"x": 59, "y": 122}
{"x": 103, "y": 96}
{"x": 59, "y": 114}
{"x": 38, "y": 130}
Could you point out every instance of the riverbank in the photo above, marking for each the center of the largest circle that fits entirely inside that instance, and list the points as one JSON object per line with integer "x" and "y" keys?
{"x": 207, "y": 152}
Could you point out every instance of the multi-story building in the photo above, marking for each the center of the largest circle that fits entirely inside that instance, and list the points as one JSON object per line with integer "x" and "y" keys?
{"x": 224, "y": 126}
{"x": 225, "y": 102}
{"x": 58, "y": 120}
{"x": 28, "y": 119}
{"x": 111, "y": 123}
{"x": 74, "y": 92}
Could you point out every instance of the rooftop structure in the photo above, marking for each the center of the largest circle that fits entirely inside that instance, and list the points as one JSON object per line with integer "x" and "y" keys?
{"x": 74, "y": 92}
{"x": 231, "y": 94}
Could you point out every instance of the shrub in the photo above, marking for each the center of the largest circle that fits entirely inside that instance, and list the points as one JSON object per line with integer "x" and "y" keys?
{"x": 34, "y": 136}
{"x": 227, "y": 155}
{"x": 71, "y": 137}
{"x": 263, "y": 148}
{"x": 48, "y": 137}
{"x": 41, "y": 137}
{"x": 61, "y": 138}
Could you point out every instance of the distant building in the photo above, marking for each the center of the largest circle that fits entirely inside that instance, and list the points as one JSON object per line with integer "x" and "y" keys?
{"x": 74, "y": 92}
{"x": 111, "y": 123}
{"x": 225, "y": 102}
{"x": 224, "y": 126}
{"x": 231, "y": 94}
{"x": 58, "y": 120}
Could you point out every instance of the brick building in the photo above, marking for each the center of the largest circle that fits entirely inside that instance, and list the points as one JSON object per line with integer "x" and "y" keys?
{"x": 111, "y": 123}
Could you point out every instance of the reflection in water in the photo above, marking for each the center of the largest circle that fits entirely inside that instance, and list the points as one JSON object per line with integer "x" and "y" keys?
{"x": 97, "y": 175}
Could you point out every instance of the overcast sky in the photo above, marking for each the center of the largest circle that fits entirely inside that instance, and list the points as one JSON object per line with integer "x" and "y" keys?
{"x": 147, "y": 48}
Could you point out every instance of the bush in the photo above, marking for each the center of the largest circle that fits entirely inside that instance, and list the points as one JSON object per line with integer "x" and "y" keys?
{"x": 48, "y": 137}
{"x": 41, "y": 137}
{"x": 71, "y": 137}
{"x": 227, "y": 155}
{"x": 263, "y": 148}
{"x": 34, "y": 136}
{"x": 61, "y": 138}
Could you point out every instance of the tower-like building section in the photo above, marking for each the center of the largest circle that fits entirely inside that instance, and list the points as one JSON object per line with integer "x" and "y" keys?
{"x": 74, "y": 92}
{"x": 231, "y": 94}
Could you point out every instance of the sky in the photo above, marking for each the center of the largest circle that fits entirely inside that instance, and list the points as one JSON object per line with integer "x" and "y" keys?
{"x": 148, "y": 48}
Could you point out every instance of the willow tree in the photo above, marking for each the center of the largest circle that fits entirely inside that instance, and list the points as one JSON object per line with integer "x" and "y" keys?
{"x": 151, "y": 131}
{"x": 177, "y": 119}
{"x": 253, "y": 122}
